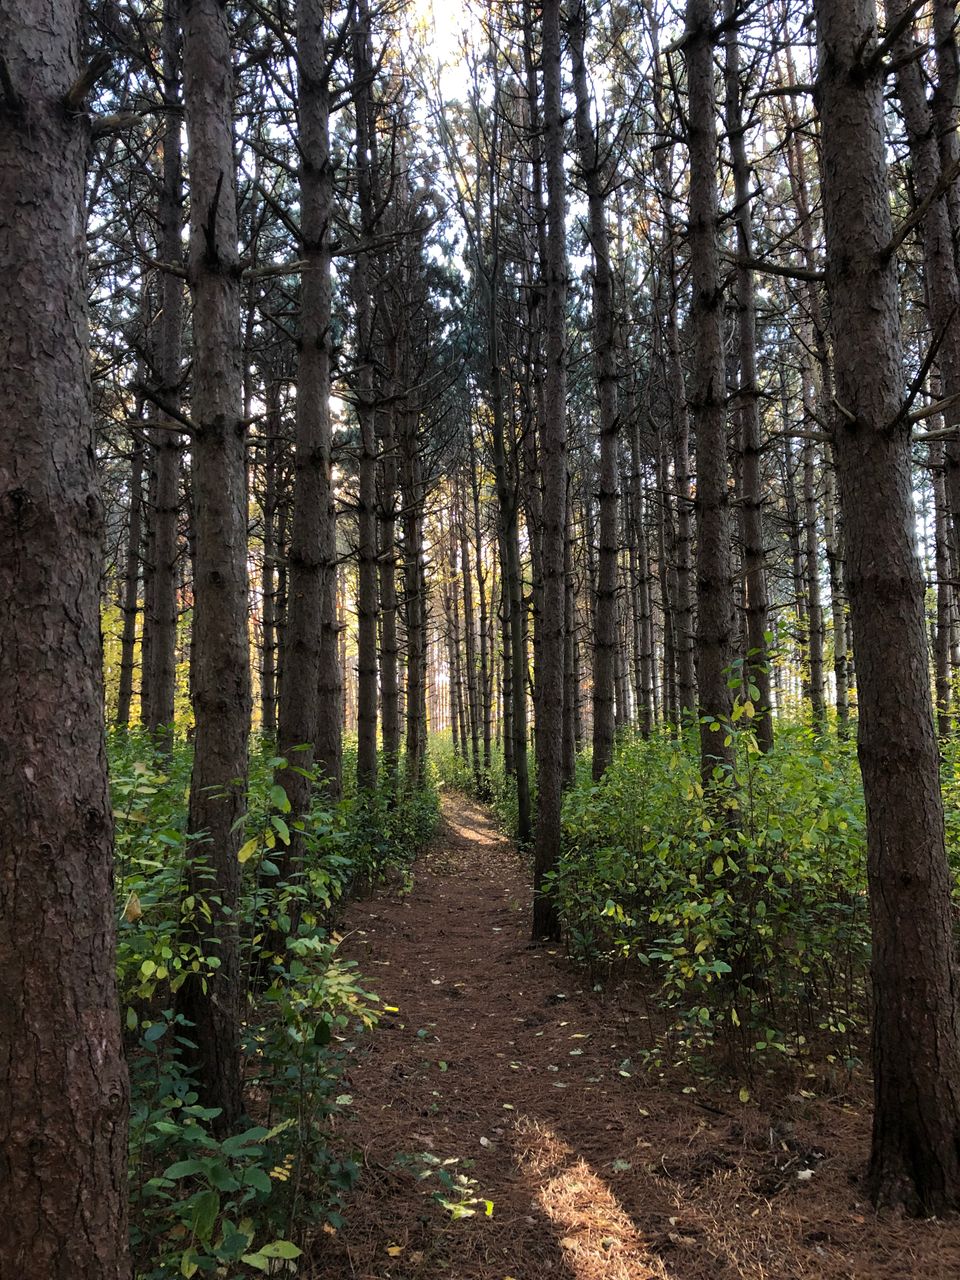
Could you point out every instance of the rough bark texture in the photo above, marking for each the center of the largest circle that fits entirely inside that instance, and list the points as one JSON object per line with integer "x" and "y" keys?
{"x": 63, "y": 1176}
{"x": 220, "y": 660}
{"x": 309, "y": 537}
{"x": 707, "y": 395}
{"x": 915, "y": 1158}
{"x": 553, "y": 469}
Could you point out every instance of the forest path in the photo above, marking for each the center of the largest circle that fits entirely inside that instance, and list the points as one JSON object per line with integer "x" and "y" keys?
{"x": 498, "y": 1058}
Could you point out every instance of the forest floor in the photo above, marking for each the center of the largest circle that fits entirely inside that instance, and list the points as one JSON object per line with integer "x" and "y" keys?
{"x": 501, "y": 1058}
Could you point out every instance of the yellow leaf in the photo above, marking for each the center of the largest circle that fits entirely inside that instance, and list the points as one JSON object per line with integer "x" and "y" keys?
{"x": 734, "y": 1017}
{"x": 744, "y": 1095}
{"x": 248, "y": 849}
{"x": 394, "y": 1250}
{"x": 718, "y": 865}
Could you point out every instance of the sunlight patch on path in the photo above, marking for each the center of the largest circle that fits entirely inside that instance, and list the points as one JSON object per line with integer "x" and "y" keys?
{"x": 598, "y": 1238}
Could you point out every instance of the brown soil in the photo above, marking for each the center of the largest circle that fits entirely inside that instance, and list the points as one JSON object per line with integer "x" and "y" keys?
{"x": 500, "y": 1058}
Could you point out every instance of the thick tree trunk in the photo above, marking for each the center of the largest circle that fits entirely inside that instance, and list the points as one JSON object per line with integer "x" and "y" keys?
{"x": 553, "y": 468}
{"x": 707, "y": 397}
{"x": 299, "y": 711}
{"x": 221, "y": 658}
{"x": 63, "y": 1185}
{"x": 915, "y": 1158}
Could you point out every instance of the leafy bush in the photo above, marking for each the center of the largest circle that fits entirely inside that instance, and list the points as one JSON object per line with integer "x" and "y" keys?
{"x": 202, "y": 1204}
{"x": 746, "y": 904}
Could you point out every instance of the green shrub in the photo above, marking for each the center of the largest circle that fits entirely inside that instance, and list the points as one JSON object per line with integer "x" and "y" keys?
{"x": 747, "y": 906}
{"x": 201, "y": 1204}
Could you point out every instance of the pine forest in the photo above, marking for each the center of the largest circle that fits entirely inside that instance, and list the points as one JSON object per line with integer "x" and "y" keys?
{"x": 479, "y": 639}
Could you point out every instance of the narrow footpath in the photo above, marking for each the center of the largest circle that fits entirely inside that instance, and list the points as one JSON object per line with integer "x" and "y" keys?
{"x": 497, "y": 1064}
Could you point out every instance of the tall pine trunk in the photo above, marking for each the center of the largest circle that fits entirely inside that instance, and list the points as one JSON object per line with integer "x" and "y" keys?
{"x": 308, "y": 567}
{"x": 553, "y": 469}
{"x": 715, "y": 612}
{"x": 915, "y": 1156}
{"x": 220, "y": 658}
{"x": 63, "y": 1121}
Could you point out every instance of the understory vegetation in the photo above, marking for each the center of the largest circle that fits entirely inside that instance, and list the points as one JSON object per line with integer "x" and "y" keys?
{"x": 741, "y": 911}
{"x": 200, "y": 1201}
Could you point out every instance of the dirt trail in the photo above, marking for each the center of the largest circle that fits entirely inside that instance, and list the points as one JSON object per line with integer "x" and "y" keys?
{"x": 499, "y": 1058}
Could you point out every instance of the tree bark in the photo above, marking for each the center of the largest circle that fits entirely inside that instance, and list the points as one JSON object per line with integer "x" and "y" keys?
{"x": 553, "y": 468}
{"x": 220, "y": 658}
{"x": 159, "y": 679}
{"x": 757, "y": 666}
{"x": 592, "y": 172}
{"x": 915, "y": 1156}
{"x": 366, "y": 413}
{"x": 131, "y": 587}
{"x": 308, "y": 559}
{"x": 707, "y": 397}
{"x": 63, "y": 1122}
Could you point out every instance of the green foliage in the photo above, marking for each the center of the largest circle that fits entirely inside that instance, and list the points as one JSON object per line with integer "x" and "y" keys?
{"x": 746, "y": 905}
{"x": 201, "y": 1204}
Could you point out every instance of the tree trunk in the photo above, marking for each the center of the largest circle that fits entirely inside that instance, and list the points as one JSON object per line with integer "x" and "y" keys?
{"x": 220, "y": 659}
{"x": 63, "y": 1122}
{"x": 159, "y": 678}
{"x": 591, "y": 168}
{"x": 131, "y": 587}
{"x": 553, "y": 469}
{"x": 366, "y": 415}
{"x": 268, "y": 577}
{"x": 837, "y": 611}
{"x": 300, "y": 688}
{"x": 915, "y": 1157}
{"x": 812, "y": 578}
{"x": 708, "y": 402}
{"x": 757, "y": 666}
{"x": 941, "y": 652}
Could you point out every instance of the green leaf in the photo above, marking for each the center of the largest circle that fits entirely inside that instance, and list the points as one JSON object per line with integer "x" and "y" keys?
{"x": 206, "y": 1210}
{"x": 280, "y": 1249}
{"x": 185, "y": 1169}
{"x": 279, "y": 798}
{"x": 256, "y": 1177}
